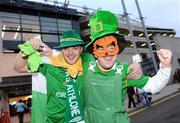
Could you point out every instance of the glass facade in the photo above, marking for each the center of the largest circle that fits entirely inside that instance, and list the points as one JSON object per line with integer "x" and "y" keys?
{"x": 48, "y": 25}
{"x": 64, "y": 25}
{"x": 28, "y": 36}
{"x": 10, "y": 26}
{"x": 11, "y": 20}
{"x": 49, "y": 38}
{"x": 30, "y": 23}
{"x": 22, "y": 27}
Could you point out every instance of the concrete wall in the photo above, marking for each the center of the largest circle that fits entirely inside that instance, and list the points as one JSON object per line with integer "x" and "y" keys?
{"x": 127, "y": 54}
{"x": 1, "y": 47}
{"x": 3, "y": 96}
{"x": 6, "y": 70}
{"x": 6, "y": 66}
{"x": 172, "y": 43}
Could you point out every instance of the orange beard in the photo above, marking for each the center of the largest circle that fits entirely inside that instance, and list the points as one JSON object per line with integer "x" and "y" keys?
{"x": 104, "y": 43}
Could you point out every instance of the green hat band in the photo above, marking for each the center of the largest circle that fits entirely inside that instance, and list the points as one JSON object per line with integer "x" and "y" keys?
{"x": 98, "y": 28}
{"x": 70, "y": 39}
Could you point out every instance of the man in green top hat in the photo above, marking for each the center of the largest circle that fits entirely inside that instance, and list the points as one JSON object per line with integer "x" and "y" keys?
{"x": 64, "y": 104}
{"x": 106, "y": 78}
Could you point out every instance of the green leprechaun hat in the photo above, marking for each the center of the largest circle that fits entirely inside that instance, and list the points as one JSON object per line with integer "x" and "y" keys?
{"x": 104, "y": 23}
{"x": 69, "y": 39}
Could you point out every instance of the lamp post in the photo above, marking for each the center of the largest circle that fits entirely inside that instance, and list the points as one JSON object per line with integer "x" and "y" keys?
{"x": 146, "y": 35}
{"x": 133, "y": 40}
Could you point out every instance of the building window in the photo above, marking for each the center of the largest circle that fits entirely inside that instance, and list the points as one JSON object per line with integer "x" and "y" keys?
{"x": 28, "y": 36}
{"x": 10, "y": 21}
{"x": 11, "y": 36}
{"x": 30, "y": 23}
{"x": 49, "y": 38}
{"x": 48, "y": 25}
{"x": 64, "y": 25}
{"x": 144, "y": 56}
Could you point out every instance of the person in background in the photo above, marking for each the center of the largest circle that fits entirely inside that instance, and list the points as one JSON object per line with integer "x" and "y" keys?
{"x": 176, "y": 76}
{"x": 29, "y": 101}
{"x": 131, "y": 93}
{"x": 20, "y": 108}
{"x": 144, "y": 98}
{"x": 137, "y": 96}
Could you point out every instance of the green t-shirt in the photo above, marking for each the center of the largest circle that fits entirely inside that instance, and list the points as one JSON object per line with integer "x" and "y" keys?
{"x": 56, "y": 89}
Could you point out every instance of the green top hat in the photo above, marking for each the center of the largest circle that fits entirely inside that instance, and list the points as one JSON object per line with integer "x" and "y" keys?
{"x": 69, "y": 39}
{"x": 104, "y": 23}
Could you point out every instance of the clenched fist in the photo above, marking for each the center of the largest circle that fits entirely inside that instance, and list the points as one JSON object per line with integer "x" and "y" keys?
{"x": 165, "y": 57}
{"x": 37, "y": 44}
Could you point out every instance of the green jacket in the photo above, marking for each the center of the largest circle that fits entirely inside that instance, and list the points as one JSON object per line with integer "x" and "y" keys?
{"x": 56, "y": 90}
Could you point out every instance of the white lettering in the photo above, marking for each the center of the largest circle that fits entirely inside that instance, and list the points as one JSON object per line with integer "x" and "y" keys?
{"x": 61, "y": 94}
{"x": 74, "y": 109}
{"x": 73, "y": 101}
{"x": 69, "y": 87}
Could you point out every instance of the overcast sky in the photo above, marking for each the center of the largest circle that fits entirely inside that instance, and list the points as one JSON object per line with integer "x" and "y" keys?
{"x": 158, "y": 13}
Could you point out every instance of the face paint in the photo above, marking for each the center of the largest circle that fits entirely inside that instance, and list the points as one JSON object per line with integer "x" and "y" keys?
{"x": 105, "y": 46}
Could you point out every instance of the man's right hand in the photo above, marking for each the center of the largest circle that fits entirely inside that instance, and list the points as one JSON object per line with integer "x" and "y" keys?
{"x": 38, "y": 45}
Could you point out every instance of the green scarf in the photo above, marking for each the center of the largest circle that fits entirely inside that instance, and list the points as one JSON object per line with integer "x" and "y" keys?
{"x": 74, "y": 111}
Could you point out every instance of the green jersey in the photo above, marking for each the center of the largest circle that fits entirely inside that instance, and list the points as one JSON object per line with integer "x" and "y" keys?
{"x": 56, "y": 90}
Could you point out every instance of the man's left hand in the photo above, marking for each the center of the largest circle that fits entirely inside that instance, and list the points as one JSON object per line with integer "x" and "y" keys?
{"x": 136, "y": 73}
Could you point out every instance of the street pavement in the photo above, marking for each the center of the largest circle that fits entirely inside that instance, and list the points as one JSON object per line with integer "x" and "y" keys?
{"x": 165, "y": 92}
{"x": 169, "y": 90}
{"x": 167, "y": 111}
{"x": 27, "y": 118}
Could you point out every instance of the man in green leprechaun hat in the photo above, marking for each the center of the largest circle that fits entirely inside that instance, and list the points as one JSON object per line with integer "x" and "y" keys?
{"x": 106, "y": 78}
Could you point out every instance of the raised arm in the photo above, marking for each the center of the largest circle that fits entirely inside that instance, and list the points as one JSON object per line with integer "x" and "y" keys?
{"x": 157, "y": 82}
{"x": 20, "y": 63}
